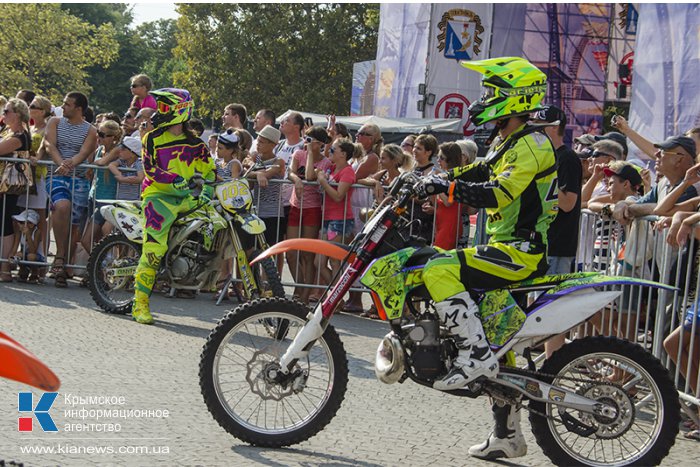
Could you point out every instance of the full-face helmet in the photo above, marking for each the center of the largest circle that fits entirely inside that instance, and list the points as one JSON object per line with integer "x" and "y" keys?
{"x": 173, "y": 106}
{"x": 511, "y": 86}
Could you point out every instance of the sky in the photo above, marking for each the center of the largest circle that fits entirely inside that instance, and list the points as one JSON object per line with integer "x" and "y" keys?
{"x": 153, "y": 11}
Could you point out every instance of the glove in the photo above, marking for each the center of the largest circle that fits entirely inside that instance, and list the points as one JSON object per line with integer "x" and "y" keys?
{"x": 205, "y": 195}
{"x": 180, "y": 184}
{"x": 433, "y": 185}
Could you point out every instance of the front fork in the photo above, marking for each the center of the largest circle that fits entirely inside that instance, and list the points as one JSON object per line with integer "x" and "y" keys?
{"x": 319, "y": 319}
{"x": 247, "y": 276}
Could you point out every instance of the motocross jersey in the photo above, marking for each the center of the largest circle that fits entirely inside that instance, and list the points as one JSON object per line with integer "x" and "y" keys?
{"x": 167, "y": 156}
{"x": 518, "y": 189}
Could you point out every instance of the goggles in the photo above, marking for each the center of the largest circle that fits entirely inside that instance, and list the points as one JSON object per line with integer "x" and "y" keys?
{"x": 165, "y": 108}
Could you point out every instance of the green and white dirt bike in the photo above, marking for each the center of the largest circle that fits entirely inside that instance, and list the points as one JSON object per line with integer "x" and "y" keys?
{"x": 596, "y": 401}
{"x": 199, "y": 242}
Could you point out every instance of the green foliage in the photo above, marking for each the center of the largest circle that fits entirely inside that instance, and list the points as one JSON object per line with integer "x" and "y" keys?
{"x": 49, "y": 50}
{"x": 277, "y": 56}
{"x": 158, "y": 40}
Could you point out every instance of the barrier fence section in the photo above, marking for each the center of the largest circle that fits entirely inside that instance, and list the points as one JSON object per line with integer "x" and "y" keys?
{"x": 664, "y": 322}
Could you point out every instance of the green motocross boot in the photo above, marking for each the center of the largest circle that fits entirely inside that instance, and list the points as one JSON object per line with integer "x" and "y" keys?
{"x": 141, "y": 313}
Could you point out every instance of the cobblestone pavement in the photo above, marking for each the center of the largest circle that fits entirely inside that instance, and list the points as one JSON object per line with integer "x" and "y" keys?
{"x": 154, "y": 368}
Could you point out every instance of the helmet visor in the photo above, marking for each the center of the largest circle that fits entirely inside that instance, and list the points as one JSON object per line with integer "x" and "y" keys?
{"x": 488, "y": 91}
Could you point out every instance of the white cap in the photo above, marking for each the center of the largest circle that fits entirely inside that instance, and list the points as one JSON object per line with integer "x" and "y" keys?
{"x": 28, "y": 215}
{"x": 133, "y": 144}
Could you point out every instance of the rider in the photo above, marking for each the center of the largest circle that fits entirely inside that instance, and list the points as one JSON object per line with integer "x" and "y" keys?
{"x": 172, "y": 155}
{"x": 517, "y": 186}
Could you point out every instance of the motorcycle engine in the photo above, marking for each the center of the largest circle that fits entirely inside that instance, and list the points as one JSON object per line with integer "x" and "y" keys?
{"x": 426, "y": 355}
{"x": 187, "y": 261}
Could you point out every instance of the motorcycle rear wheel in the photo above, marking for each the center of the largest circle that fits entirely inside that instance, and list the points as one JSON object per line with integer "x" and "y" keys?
{"x": 644, "y": 393}
{"x": 113, "y": 294}
{"x": 234, "y": 375}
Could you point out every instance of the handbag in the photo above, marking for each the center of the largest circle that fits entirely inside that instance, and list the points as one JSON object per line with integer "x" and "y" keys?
{"x": 17, "y": 177}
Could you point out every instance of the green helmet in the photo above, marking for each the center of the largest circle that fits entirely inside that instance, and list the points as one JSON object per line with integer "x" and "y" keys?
{"x": 173, "y": 106}
{"x": 511, "y": 86}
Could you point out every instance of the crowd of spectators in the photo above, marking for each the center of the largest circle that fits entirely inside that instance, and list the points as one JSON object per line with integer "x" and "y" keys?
{"x": 350, "y": 178}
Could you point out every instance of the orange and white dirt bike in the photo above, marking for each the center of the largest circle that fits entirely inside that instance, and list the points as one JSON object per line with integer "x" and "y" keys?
{"x": 274, "y": 372}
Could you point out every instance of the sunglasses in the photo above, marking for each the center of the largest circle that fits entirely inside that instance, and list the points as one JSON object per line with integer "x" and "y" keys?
{"x": 442, "y": 158}
{"x": 34, "y": 107}
{"x": 7, "y": 111}
{"x": 101, "y": 134}
{"x": 407, "y": 144}
{"x": 332, "y": 150}
{"x": 362, "y": 133}
{"x": 600, "y": 154}
{"x": 136, "y": 85}
{"x": 672, "y": 153}
{"x": 309, "y": 139}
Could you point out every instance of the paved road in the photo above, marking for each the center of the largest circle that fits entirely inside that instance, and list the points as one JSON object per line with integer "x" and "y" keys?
{"x": 155, "y": 369}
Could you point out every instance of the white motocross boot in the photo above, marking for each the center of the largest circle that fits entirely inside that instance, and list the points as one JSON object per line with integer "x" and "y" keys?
{"x": 506, "y": 440}
{"x": 475, "y": 359}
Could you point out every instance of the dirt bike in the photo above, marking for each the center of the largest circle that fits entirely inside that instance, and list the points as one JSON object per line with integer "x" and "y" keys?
{"x": 199, "y": 242}
{"x": 596, "y": 401}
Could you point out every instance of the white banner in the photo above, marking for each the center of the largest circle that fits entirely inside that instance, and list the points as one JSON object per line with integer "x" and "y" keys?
{"x": 666, "y": 97}
{"x": 458, "y": 32}
{"x": 401, "y": 55}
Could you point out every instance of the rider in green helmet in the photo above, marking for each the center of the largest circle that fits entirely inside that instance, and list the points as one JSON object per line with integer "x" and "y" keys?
{"x": 517, "y": 186}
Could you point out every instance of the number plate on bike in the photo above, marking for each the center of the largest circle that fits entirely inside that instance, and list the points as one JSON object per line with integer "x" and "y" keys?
{"x": 234, "y": 195}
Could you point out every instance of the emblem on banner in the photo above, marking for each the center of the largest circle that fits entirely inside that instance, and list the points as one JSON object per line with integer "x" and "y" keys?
{"x": 455, "y": 105}
{"x": 459, "y": 34}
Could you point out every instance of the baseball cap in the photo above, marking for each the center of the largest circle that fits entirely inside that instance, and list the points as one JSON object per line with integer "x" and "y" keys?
{"x": 132, "y": 143}
{"x": 619, "y": 138}
{"x": 229, "y": 138}
{"x": 586, "y": 140}
{"x": 550, "y": 114}
{"x": 626, "y": 172}
{"x": 683, "y": 141}
{"x": 28, "y": 215}
{"x": 585, "y": 153}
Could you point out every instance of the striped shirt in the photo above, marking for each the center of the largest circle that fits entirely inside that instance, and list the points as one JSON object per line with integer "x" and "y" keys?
{"x": 70, "y": 139}
{"x": 129, "y": 191}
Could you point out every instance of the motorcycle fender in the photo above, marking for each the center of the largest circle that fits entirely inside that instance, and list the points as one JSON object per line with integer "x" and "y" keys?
{"x": 322, "y": 247}
{"x": 250, "y": 223}
{"x": 19, "y": 364}
{"x": 125, "y": 220}
{"x": 562, "y": 314}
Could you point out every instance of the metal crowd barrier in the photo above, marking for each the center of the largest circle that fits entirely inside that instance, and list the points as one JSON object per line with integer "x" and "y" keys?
{"x": 642, "y": 315}
{"x": 652, "y": 318}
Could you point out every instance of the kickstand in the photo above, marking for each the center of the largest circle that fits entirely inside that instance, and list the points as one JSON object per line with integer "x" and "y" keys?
{"x": 224, "y": 290}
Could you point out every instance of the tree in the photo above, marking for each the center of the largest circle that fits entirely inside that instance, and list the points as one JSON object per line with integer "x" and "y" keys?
{"x": 158, "y": 41}
{"x": 110, "y": 84}
{"x": 278, "y": 56}
{"x": 49, "y": 50}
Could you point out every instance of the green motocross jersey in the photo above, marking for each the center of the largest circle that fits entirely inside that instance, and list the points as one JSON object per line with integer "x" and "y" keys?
{"x": 518, "y": 190}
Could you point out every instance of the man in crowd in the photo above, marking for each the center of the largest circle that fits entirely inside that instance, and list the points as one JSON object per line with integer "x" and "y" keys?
{"x": 563, "y": 232}
{"x": 263, "y": 118}
{"x": 234, "y": 117}
{"x": 673, "y": 158}
{"x": 70, "y": 140}
{"x": 143, "y": 121}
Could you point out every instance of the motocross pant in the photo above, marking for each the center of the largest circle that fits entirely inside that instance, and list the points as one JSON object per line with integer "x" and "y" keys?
{"x": 484, "y": 267}
{"x": 160, "y": 211}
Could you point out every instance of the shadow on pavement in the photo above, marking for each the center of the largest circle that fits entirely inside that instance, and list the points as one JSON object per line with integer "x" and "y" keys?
{"x": 257, "y": 455}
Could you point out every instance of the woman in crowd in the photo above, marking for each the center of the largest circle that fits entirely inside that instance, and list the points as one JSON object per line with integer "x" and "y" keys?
{"x": 336, "y": 182}
{"x": 140, "y": 87}
{"x": 448, "y": 225}
{"x": 267, "y": 195}
{"x": 469, "y": 150}
{"x": 408, "y": 143}
{"x": 16, "y": 138}
{"x": 104, "y": 185}
{"x": 39, "y": 113}
{"x": 305, "y": 212}
{"x": 364, "y": 163}
{"x": 393, "y": 161}
{"x": 424, "y": 148}
{"x": 230, "y": 155}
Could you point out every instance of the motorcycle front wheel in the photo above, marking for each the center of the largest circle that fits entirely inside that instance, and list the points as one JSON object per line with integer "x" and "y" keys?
{"x": 634, "y": 382}
{"x": 238, "y": 369}
{"x": 111, "y": 269}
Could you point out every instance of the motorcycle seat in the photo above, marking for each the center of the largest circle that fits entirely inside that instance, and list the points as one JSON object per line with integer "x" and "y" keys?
{"x": 545, "y": 282}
